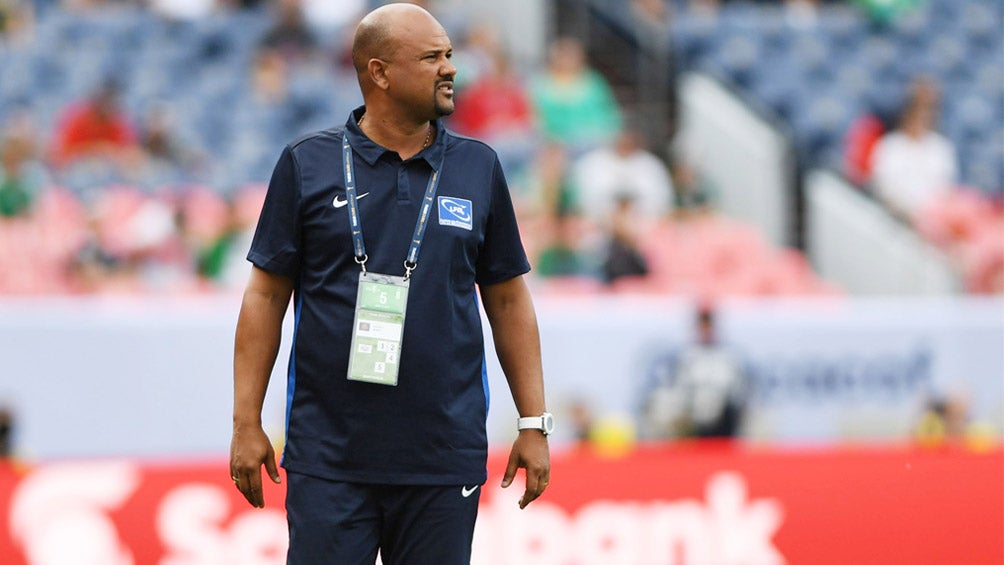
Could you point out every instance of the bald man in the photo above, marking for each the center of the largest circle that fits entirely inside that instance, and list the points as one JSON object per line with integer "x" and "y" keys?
{"x": 382, "y": 232}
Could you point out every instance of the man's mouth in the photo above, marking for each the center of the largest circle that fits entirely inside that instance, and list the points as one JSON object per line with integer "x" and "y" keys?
{"x": 445, "y": 87}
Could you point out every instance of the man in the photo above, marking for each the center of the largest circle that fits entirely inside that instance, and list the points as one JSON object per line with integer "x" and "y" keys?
{"x": 386, "y": 443}
{"x": 701, "y": 392}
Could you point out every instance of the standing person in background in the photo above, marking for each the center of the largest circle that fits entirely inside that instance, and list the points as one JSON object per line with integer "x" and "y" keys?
{"x": 914, "y": 163}
{"x": 386, "y": 440}
{"x": 6, "y": 433}
{"x": 702, "y": 393}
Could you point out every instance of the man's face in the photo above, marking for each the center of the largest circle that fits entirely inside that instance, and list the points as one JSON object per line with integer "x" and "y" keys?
{"x": 421, "y": 74}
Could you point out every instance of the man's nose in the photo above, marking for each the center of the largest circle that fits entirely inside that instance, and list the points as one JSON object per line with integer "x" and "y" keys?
{"x": 448, "y": 69}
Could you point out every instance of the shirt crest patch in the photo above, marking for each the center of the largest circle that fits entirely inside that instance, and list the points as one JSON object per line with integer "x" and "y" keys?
{"x": 456, "y": 212}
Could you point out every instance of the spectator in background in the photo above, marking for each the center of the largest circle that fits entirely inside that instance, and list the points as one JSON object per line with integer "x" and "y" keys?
{"x": 167, "y": 159}
{"x": 702, "y": 393}
{"x": 862, "y": 136}
{"x": 609, "y": 173}
{"x": 886, "y": 11}
{"x": 691, "y": 191}
{"x": 496, "y": 108}
{"x": 575, "y": 105}
{"x": 6, "y": 433}
{"x": 944, "y": 420}
{"x": 17, "y": 20}
{"x": 289, "y": 36}
{"x": 269, "y": 87}
{"x": 580, "y": 420}
{"x": 476, "y": 54}
{"x": 96, "y": 129}
{"x": 560, "y": 255}
{"x": 913, "y": 163}
{"x": 557, "y": 244}
{"x": 622, "y": 257}
{"x": 22, "y": 176}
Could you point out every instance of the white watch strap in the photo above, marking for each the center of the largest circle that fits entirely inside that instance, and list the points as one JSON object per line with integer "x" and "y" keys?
{"x": 530, "y": 423}
{"x": 544, "y": 423}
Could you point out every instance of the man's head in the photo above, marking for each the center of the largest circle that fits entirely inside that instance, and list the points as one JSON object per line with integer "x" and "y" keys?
{"x": 706, "y": 325}
{"x": 105, "y": 98}
{"x": 401, "y": 55}
{"x": 920, "y": 113}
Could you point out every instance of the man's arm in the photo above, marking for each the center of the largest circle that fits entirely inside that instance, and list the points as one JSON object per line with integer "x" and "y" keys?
{"x": 517, "y": 342}
{"x": 259, "y": 331}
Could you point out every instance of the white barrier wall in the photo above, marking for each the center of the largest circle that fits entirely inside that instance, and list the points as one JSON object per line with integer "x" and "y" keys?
{"x": 856, "y": 243}
{"x": 152, "y": 376}
{"x": 744, "y": 158}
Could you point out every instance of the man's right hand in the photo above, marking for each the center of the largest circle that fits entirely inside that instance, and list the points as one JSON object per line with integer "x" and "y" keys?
{"x": 250, "y": 448}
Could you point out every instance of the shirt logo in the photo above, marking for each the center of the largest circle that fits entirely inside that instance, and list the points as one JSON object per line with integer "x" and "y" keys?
{"x": 456, "y": 212}
{"x": 466, "y": 492}
{"x": 341, "y": 203}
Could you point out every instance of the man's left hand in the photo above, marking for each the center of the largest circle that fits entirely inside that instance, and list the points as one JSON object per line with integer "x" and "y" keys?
{"x": 530, "y": 452}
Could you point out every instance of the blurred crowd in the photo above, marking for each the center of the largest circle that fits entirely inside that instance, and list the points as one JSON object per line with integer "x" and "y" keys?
{"x": 913, "y": 170}
{"x": 115, "y": 196}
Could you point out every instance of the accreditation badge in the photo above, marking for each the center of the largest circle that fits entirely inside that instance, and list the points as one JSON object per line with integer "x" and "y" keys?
{"x": 378, "y": 329}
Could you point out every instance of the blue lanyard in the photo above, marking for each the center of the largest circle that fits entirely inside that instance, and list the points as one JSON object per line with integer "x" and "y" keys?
{"x": 411, "y": 262}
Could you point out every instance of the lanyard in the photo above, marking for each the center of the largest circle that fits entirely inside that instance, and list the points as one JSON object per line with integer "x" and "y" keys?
{"x": 411, "y": 262}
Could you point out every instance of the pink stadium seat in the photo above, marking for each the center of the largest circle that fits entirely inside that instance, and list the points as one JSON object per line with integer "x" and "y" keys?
{"x": 954, "y": 216}
{"x": 983, "y": 260}
{"x": 112, "y": 211}
{"x": 206, "y": 213}
{"x": 62, "y": 223}
{"x": 248, "y": 201}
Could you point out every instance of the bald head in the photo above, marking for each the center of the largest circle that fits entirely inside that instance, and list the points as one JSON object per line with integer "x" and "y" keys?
{"x": 402, "y": 59}
{"x": 376, "y": 35}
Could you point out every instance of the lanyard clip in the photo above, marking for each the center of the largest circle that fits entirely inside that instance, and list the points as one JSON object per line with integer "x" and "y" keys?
{"x": 361, "y": 260}
{"x": 408, "y": 268}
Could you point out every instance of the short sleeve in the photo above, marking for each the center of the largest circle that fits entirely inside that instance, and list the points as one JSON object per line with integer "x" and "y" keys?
{"x": 276, "y": 245}
{"x": 502, "y": 255}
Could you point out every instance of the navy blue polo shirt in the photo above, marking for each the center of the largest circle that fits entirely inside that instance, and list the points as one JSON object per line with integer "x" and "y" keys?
{"x": 430, "y": 428}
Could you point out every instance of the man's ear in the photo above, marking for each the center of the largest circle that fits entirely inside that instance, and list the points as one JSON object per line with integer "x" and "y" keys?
{"x": 378, "y": 73}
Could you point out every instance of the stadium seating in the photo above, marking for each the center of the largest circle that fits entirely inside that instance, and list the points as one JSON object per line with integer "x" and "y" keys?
{"x": 818, "y": 77}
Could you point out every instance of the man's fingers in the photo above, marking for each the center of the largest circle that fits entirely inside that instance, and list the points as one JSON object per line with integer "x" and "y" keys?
{"x": 536, "y": 482}
{"x": 253, "y": 492}
{"x": 249, "y": 485}
{"x": 531, "y": 489}
{"x": 242, "y": 483}
{"x": 273, "y": 471}
{"x": 510, "y": 470}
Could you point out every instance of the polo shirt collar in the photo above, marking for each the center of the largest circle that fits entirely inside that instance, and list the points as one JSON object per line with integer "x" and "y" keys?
{"x": 370, "y": 151}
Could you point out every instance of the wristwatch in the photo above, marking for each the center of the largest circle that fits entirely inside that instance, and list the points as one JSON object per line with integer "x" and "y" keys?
{"x": 544, "y": 423}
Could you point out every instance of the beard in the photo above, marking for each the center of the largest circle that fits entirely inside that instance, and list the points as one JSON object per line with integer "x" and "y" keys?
{"x": 443, "y": 104}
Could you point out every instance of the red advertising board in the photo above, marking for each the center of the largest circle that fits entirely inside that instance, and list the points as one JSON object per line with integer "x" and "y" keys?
{"x": 679, "y": 504}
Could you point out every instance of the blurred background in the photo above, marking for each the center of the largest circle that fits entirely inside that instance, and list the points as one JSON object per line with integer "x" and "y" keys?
{"x": 767, "y": 240}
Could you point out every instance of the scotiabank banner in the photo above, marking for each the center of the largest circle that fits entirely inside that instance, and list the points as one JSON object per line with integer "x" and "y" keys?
{"x": 659, "y": 505}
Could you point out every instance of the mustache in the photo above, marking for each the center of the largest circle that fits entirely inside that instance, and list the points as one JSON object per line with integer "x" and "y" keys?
{"x": 448, "y": 79}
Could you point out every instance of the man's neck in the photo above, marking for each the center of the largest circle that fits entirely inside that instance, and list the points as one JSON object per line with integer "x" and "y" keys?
{"x": 407, "y": 140}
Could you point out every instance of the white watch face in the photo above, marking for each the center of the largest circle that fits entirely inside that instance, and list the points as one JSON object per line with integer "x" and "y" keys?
{"x": 547, "y": 423}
